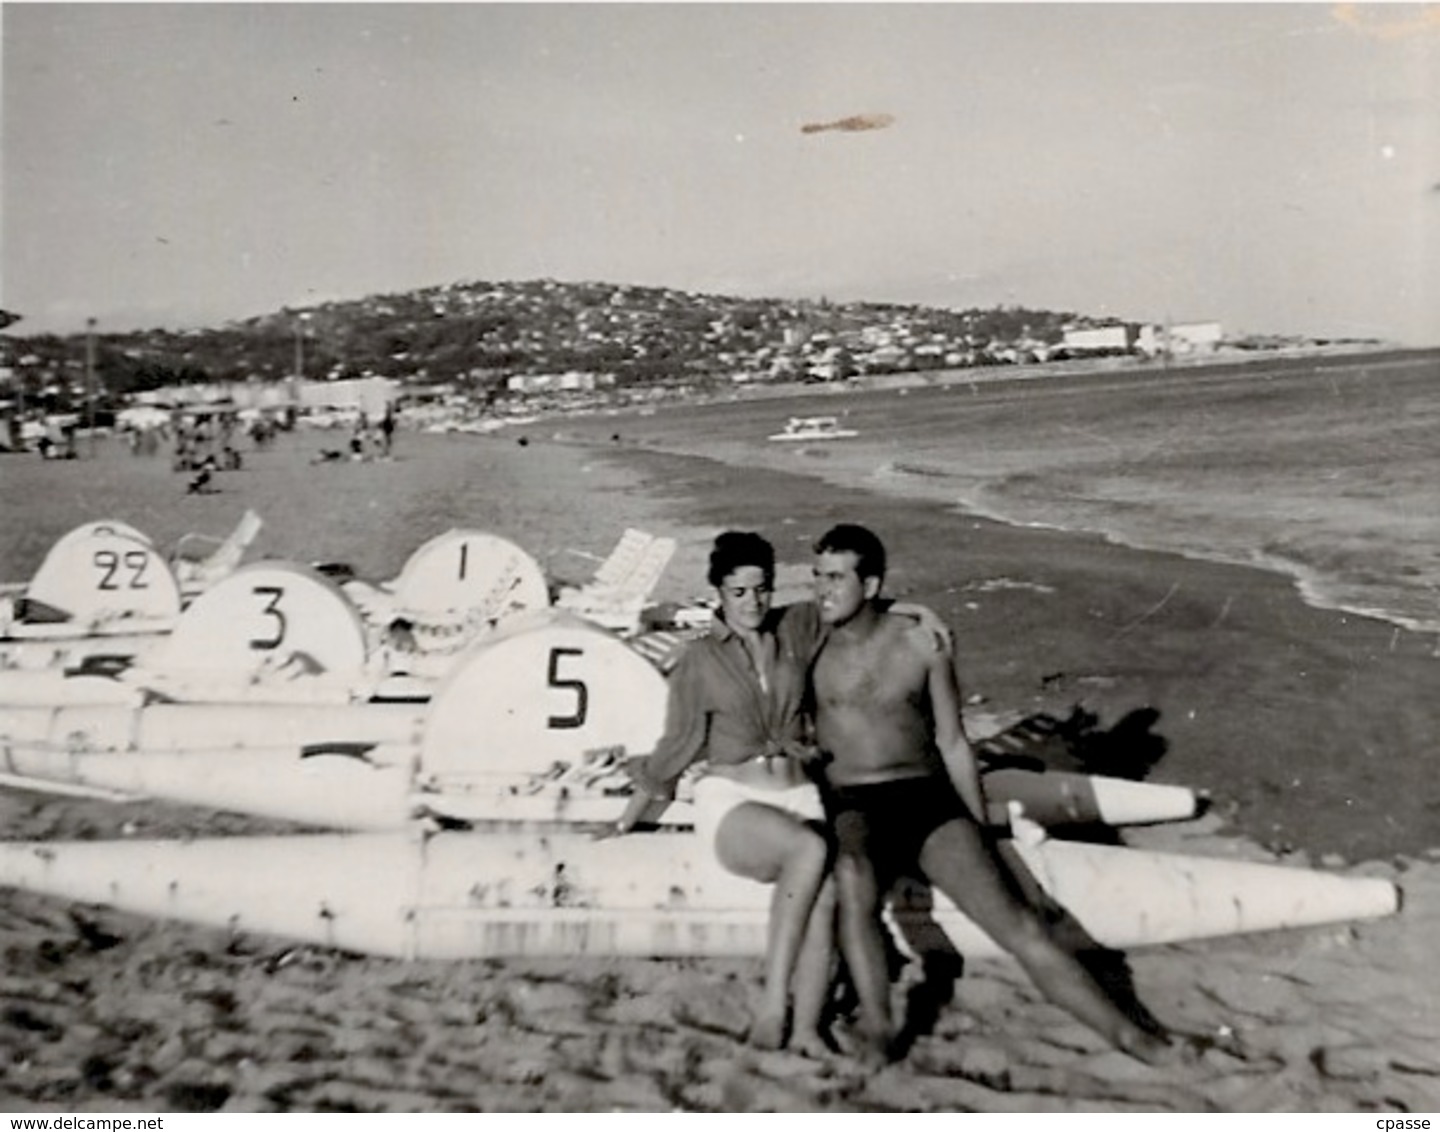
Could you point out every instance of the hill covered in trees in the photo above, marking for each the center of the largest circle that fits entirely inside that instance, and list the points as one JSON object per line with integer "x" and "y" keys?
{"x": 477, "y": 335}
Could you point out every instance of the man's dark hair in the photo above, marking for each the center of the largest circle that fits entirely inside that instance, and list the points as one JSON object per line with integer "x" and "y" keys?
{"x": 850, "y": 538}
{"x": 735, "y": 549}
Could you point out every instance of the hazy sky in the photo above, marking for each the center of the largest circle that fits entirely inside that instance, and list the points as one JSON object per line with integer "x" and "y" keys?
{"x": 1276, "y": 167}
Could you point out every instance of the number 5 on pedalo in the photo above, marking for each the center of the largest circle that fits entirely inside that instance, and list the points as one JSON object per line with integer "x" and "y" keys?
{"x": 548, "y": 688}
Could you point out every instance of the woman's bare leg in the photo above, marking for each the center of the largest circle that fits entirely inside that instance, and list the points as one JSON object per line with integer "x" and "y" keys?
{"x": 813, "y": 974}
{"x": 770, "y": 845}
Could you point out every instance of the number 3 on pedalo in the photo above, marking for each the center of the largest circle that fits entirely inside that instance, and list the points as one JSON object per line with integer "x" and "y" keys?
{"x": 262, "y": 614}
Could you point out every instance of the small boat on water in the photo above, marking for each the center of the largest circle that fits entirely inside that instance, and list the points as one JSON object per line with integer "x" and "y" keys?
{"x": 813, "y": 428}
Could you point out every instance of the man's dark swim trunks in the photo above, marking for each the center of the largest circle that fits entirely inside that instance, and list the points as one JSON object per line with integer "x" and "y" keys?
{"x": 888, "y": 822}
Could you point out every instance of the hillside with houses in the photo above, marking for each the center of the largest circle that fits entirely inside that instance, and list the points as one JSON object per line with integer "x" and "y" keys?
{"x": 483, "y": 343}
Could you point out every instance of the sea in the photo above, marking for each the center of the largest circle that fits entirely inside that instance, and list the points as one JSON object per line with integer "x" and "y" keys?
{"x": 1325, "y": 468}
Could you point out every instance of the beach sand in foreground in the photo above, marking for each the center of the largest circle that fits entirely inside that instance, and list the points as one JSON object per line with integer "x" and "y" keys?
{"x": 105, "y": 1011}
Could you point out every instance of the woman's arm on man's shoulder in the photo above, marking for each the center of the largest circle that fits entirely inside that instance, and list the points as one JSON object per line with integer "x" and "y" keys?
{"x": 927, "y": 621}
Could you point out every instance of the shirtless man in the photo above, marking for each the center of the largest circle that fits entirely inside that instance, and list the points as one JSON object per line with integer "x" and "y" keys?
{"x": 904, "y": 788}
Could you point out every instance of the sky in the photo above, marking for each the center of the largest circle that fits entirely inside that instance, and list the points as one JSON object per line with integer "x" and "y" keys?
{"x": 1272, "y": 167}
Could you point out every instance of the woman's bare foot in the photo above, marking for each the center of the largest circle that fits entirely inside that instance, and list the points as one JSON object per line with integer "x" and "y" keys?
{"x": 767, "y": 1031}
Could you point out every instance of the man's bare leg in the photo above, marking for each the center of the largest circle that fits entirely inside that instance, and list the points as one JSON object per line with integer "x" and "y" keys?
{"x": 863, "y": 947}
{"x": 961, "y": 864}
{"x": 770, "y": 845}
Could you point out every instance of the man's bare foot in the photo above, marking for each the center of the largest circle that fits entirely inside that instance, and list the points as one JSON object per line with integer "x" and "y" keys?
{"x": 871, "y": 1048}
{"x": 1152, "y": 1049}
{"x": 1178, "y": 1050}
{"x": 809, "y": 1044}
{"x": 875, "y": 1050}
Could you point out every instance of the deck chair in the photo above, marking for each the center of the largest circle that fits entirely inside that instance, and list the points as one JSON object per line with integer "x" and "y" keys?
{"x": 622, "y": 584}
{"x": 201, "y": 560}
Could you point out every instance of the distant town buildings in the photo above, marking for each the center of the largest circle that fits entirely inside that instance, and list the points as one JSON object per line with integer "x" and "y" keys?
{"x": 370, "y": 396}
{"x": 572, "y": 382}
{"x": 1147, "y": 340}
{"x": 1117, "y": 339}
{"x": 1193, "y": 338}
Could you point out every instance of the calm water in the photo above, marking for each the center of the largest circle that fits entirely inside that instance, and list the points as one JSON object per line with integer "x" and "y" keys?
{"x": 1325, "y": 469}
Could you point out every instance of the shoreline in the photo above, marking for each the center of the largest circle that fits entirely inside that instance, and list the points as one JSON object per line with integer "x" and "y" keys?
{"x": 1309, "y": 582}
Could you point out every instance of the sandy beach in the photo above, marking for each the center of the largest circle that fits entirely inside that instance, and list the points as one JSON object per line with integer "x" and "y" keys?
{"x": 1308, "y": 728}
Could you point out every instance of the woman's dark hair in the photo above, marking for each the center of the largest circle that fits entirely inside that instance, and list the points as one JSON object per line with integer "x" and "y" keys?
{"x": 735, "y": 549}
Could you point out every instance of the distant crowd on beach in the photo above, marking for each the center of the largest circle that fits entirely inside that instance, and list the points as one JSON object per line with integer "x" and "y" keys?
{"x": 55, "y": 442}
{"x": 202, "y": 444}
{"x": 369, "y": 440}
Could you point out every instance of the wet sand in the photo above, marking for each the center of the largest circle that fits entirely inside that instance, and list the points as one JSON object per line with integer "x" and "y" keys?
{"x": 103, "y": 1011}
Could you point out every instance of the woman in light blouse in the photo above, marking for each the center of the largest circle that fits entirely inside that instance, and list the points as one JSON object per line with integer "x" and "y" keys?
{"x": 736, "y": 702}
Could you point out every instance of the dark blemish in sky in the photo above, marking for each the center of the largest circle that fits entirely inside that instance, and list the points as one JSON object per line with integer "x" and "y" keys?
{"x": 855, "y": 124}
